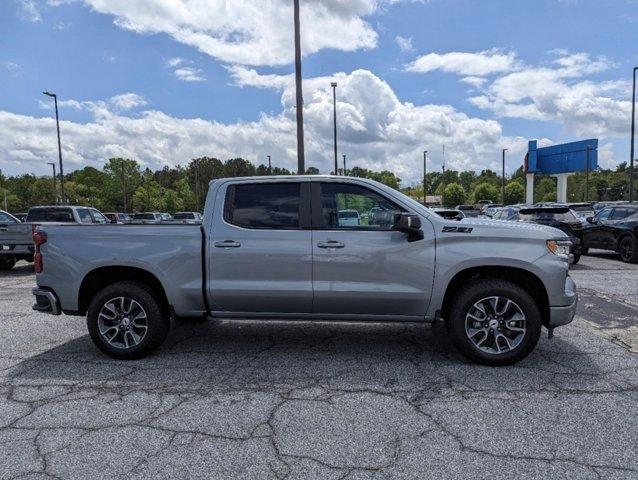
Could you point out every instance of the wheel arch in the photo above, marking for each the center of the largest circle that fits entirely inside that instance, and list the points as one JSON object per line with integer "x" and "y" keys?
{"x": 525, "y": 279}
{"x": 101, "y": 277}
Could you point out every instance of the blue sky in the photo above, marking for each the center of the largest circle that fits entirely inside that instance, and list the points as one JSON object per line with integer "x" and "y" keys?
{"x": 164, "y": 81}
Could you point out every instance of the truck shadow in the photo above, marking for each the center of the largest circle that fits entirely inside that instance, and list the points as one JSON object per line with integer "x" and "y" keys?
{"x": 22, "y": 269}
{"x": 289, "y": 355}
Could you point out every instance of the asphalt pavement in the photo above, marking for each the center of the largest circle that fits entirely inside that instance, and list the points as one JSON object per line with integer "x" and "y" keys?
{"x": 262, "y": 400}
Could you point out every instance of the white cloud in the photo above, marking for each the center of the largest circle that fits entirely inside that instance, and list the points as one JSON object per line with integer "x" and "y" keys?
{"x": 12, "y": 67}
{"x": 559, "y": 93}
{"x": 174, "y": 62}
{"x": 376, "y": 130}
{"x": 189, "y": 74}
{"x": 476, "y": 82}
{"x": 465, "y": 63}
{"x": 127, "y": 101}
{"x": 256, "y": 32}
{"x": 404, "y": 43}
{"x": 28, "y": 10}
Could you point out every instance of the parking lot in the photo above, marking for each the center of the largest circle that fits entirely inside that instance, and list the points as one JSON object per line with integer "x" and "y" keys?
{"x": 308, "y": 400}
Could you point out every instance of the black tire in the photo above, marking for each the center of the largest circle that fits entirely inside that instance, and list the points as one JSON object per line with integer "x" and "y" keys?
{"x": 474, "y": 292}
{"x": 576, "y": 258}
{"x": 628, "y": 249}
{"x": 156, "y": 317}
{"x": 7, "y": 263}
{"x": 584, "y": 251}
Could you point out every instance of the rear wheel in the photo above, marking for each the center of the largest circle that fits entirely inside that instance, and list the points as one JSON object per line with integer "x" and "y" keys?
{"x": 126, "y": 320}
{"x": 494, "y": 322}
{"x": 628, "y": 249}
{"x": 7, "y": 263}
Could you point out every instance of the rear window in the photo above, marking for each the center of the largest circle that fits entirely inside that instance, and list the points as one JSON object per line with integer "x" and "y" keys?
{"x": 53, "y": 214}
{"x": 348, "y": 214}
{"x": 266, "y": 205}
{"x": 144, "y": 216}
{"x": 184, "y": 216}
{"x": 582, "y": 208}
{"x": 465, "y": 207}
{"x": 540, "y": 215}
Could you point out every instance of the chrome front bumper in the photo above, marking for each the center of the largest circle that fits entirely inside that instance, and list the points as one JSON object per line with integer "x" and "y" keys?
{"x": 46, "y": 301}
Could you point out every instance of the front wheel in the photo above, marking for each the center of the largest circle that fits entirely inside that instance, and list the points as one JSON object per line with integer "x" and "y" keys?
{"x": 576, "y": 258}
{"x": 628, "y": 249}
{"x": 494, "y": 322}
{"x": 127, "y": 321}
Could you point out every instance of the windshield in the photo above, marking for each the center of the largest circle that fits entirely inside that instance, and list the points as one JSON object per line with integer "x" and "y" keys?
{"x": 6, "y": 218}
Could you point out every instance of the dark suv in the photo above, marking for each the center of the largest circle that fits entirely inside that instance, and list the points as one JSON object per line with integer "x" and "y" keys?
{"x": 614, "y": 228}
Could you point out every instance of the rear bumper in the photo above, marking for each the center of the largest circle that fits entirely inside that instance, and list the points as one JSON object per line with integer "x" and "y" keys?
{"x": 46, "y": 301}
{"x": 564, "y": 314}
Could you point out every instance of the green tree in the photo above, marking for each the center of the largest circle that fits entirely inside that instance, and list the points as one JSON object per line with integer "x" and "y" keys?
{"x": 514, "y": 193}
{"x": 486, "y": 191}
{"x": 453, "y": 195}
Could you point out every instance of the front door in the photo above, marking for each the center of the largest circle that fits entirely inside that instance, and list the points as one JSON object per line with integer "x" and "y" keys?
{"x": 260, "y": 256}
{"x": 361, "y": 266}
{"x": 593, "y": 235}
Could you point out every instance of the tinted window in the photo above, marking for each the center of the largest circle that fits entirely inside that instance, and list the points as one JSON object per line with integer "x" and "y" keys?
{"x": 5, "y": 218}
{"x": 184, "y": 216}
{"x": 267, "y": 205}
{"x": 53, "y": 214}
{"x": 144, "y": 216}
{"x": 374, "y": 211}
{"x": 84, "y": 215}
{"x": 549, "y": 215}
{"x": 603, "y": 215}
{"x": 620, "y": 213}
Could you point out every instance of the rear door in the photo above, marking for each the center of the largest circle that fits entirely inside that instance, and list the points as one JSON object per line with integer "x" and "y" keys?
{"x": 260, "y": 256}
{"x": 367, "y": 269}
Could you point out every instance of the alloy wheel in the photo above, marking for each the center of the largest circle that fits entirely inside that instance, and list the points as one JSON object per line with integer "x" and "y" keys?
{"x": 495, "y": 325}
{"x": 122, "y": 322}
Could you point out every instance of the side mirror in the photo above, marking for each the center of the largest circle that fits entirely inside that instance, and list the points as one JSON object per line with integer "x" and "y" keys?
{"x": 410, "y": 224}
{"x": 590, "y": 220}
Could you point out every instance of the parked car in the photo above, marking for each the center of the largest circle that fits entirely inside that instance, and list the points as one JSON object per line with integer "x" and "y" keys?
{"x": 349, "y": 218}
{"x": 16, "y": 239}
{"x": 118, "y": 218}
{"x": 561, "y": 218}
{"x": 188, "y": 217}
{"x": 481, "y": 204}
{"x": 614, "y": 228}
{"x": 272, "y": 247}
{"x": 450, "y": 214}
{"x": 468, "y": 210}
{"x": 490, "y": 209}
{"x": 8, "y": 255}
{"x": 506, "y": 213}
{"x": 147, "y": 218}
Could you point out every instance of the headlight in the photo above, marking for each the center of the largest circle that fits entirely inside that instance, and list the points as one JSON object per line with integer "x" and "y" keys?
{"x": 559, "y": 247}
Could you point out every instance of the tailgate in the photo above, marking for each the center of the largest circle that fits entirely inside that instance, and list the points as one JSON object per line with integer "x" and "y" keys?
{"x": 15, "y": 234}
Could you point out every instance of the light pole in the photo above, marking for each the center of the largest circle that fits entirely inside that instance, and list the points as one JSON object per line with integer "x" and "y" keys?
{"x": 269, "y": 166}
{"x": 587, "y": 175}
{"x": 503, "y": 180}
{"x": 301, "y": 156}
{"x": 57, "y": 123}
{"x": 631, "y": 157}
{"x": 345, "y": 172}
{"x": 425, "y": 162}
{"x": 334, "y": 121}
{"x": 55, "y": 199}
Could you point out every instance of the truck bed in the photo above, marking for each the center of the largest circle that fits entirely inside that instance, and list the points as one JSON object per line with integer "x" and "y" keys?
{"x": 172, "y": 253}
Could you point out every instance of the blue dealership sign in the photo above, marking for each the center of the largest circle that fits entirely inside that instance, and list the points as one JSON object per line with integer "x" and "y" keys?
{"x": 563, "y": 158}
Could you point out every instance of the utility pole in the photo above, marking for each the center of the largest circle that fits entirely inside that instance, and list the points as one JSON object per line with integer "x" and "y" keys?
{"x": 633, "y": 127}
{"x": 55, "y": 193}
{"x": 123, "y": 184}
{"x": 425, "y": 162}
{"x": 503, "y": 179}
{"x": 334, "y": 121}
{"x": 345, "y": 171}
{"x": 301, "y": 156}
{"x": 269, "y": 166}
{"x": 57, "y": 123}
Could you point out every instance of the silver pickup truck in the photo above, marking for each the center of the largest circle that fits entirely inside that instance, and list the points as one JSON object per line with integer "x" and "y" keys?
{"x": 277, "y": 248}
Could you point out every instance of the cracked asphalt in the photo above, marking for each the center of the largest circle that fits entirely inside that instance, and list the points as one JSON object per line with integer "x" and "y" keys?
{"x": 318, "y": 400}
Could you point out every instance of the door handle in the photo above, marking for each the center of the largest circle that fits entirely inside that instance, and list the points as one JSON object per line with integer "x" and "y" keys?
{"x": 331, "y": 244}
{"x": 227, "y": 244}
